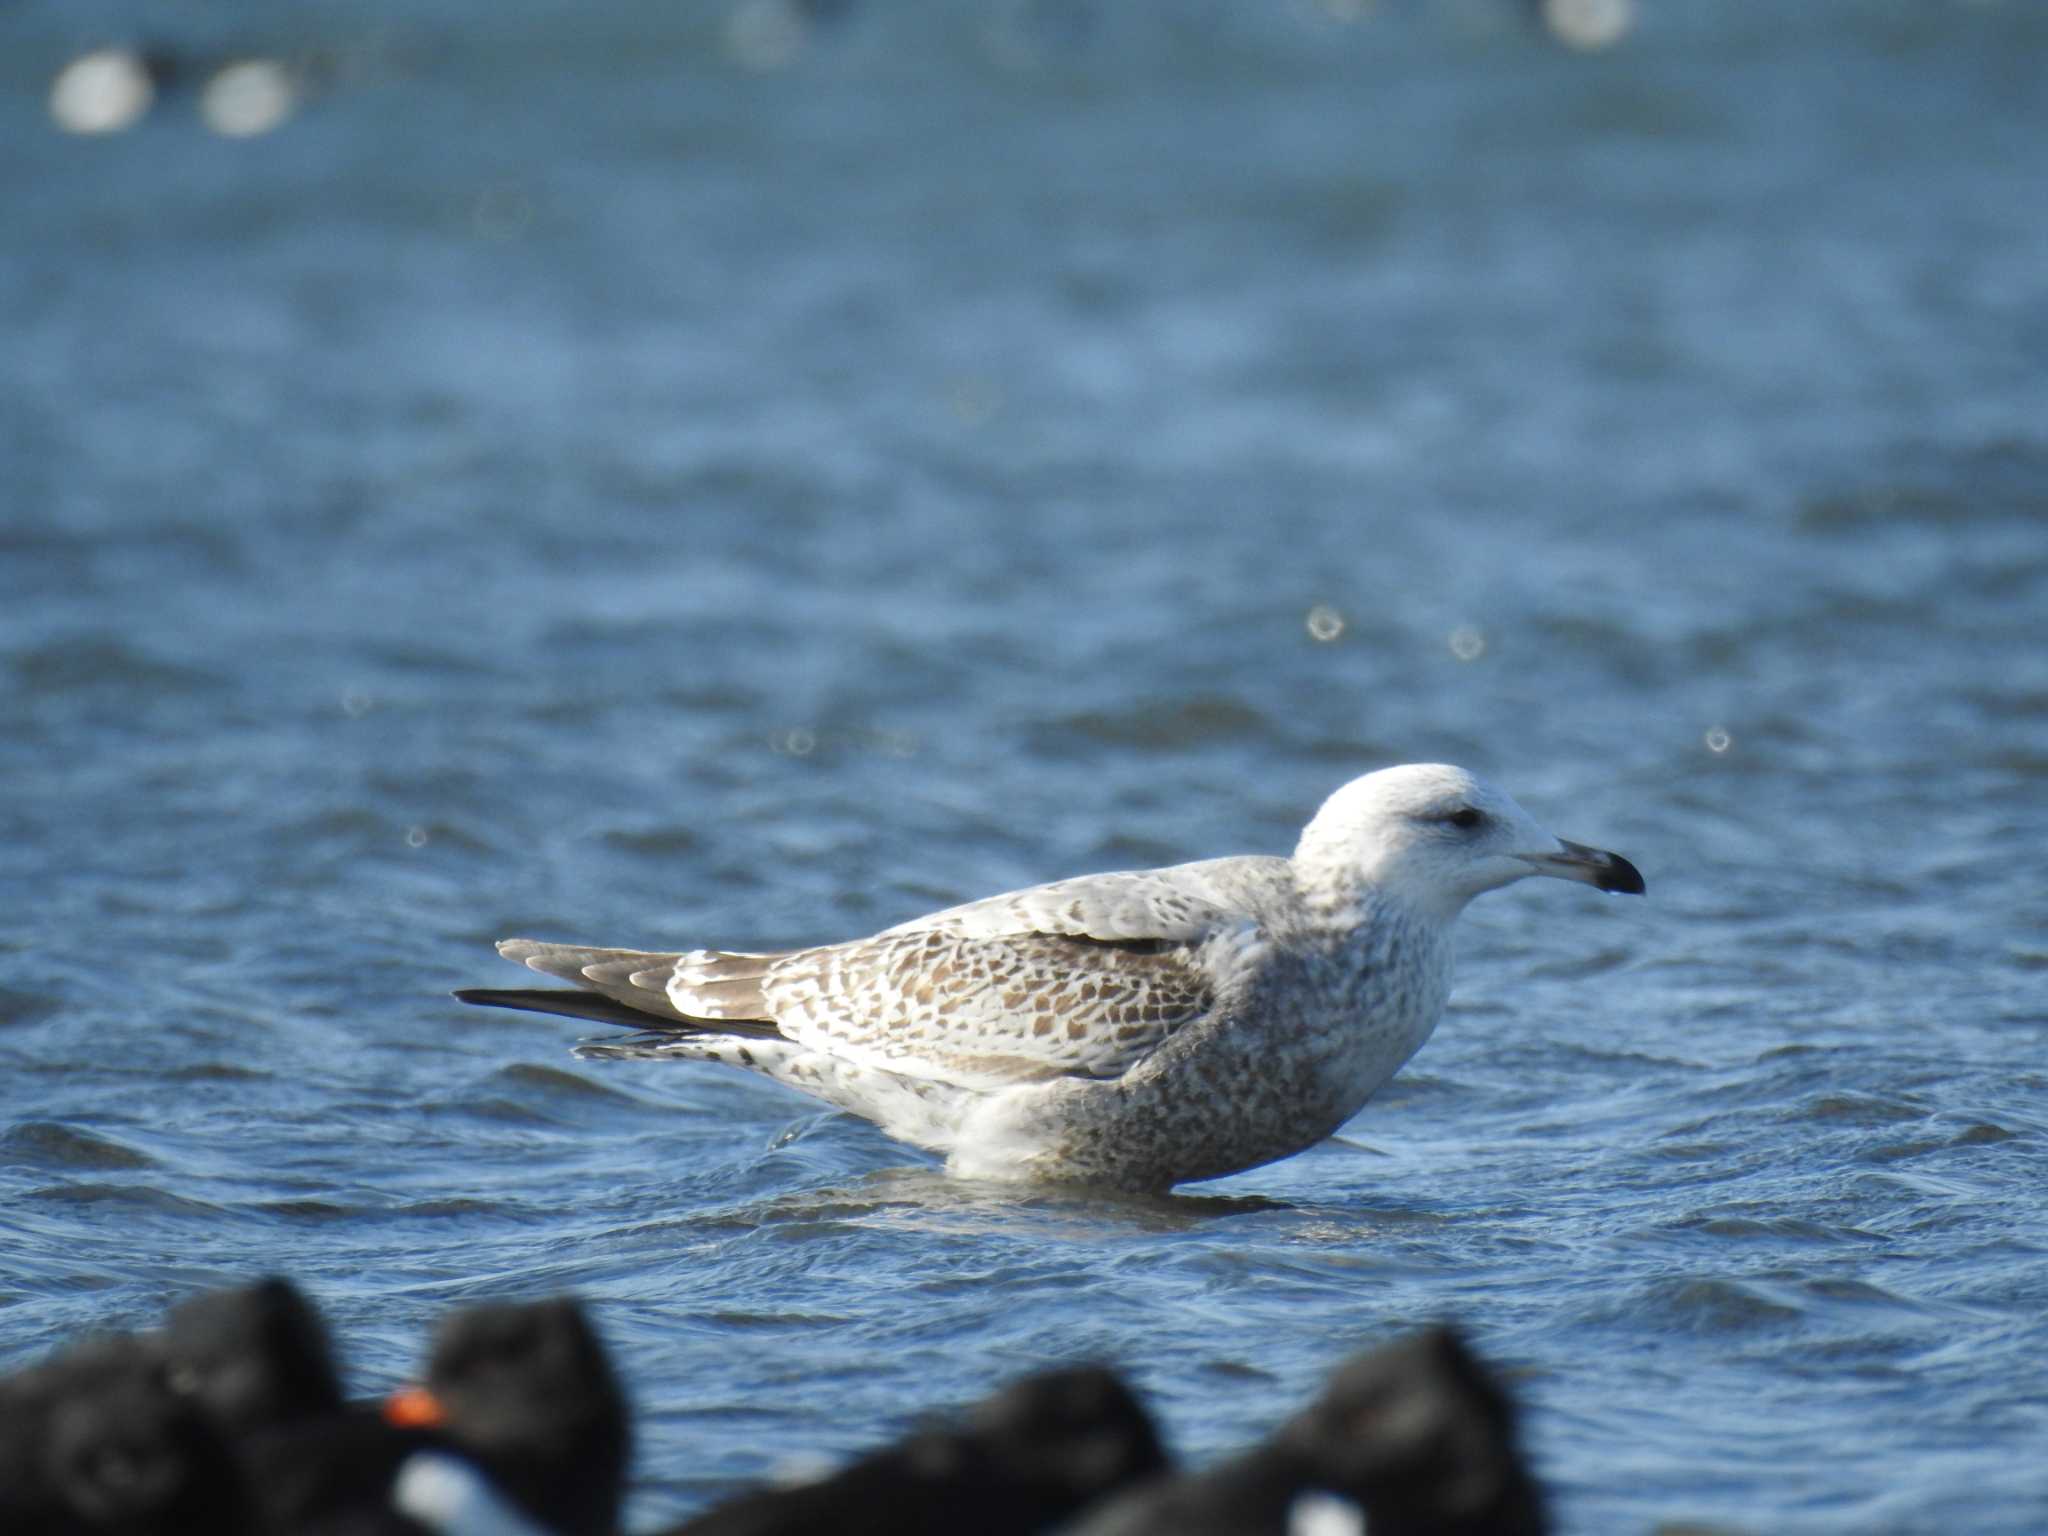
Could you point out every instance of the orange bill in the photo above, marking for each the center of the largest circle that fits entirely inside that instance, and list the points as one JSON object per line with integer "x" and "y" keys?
{"x": 414, "y": 1408}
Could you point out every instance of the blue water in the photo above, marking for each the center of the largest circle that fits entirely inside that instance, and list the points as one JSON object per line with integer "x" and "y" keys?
{"x": 663, "y": 475}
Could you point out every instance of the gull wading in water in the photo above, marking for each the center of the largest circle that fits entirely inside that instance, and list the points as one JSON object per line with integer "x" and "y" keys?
{"x": 1139, "y": 1029}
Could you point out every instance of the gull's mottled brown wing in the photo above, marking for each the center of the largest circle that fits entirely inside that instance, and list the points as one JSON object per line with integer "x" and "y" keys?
{"x": 983, "y": 1011}
{"x": 1078, "y": 978}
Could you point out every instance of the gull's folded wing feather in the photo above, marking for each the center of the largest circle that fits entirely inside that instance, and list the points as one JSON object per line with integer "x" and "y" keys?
{"x": 610, "y": 971}
{"x": 985, "y": 1012}
{"x": 1080, "y": 977}
{"x": 1183, "y": 904}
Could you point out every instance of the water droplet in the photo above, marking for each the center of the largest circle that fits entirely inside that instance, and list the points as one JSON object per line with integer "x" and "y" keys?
{"x": 1324, "y": 623}
{"x": 1468, "y": 642}
{"x": 1718, "y": 740}
{"x": 415, "y": 837}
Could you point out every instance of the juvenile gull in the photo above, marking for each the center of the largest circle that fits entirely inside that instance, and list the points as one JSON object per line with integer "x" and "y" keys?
{"x": 1139, "y": 1029}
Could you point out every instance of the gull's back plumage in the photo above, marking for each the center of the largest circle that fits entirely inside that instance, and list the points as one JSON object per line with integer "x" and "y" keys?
{"x": 1140, "y": 1028}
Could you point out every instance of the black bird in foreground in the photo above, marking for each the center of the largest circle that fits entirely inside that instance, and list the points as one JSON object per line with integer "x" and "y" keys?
{"x": 1022, "y": 1461}
{"x": 526, "y": 1392}
{"x": 523, "y": 1392}
{"x": 1417, "y": 1436}
{"x": 256, "y": 1357}
{"x": 94, "y": 1442}
{"x": 258, "y": 1360}
{"x": 231, "y": 1420}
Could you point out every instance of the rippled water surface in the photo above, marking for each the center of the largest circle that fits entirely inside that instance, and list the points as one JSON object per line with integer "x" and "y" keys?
{"x": 662, "y": 476}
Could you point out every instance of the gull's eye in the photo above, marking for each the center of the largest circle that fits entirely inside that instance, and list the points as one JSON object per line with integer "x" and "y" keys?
{"x": 1466, "y": 819}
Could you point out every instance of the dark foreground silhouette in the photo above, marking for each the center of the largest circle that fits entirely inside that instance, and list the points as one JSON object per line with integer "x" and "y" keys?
{"x": 231, "y": 1418}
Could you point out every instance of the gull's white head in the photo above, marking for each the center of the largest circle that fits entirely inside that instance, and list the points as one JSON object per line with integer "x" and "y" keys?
{"x": 1432, "y": 837}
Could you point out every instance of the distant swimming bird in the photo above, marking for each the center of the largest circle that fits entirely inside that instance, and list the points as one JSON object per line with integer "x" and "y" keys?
{"x": 1138, "y": 1029}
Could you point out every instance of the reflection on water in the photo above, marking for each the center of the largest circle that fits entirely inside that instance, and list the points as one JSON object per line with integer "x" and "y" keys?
{"x": 924, "y": 1195}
